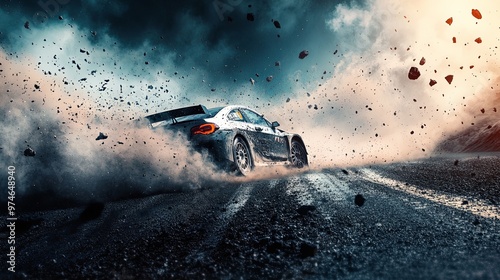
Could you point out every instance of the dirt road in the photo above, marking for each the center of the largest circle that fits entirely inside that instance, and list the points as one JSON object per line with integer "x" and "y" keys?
{"x": 431, "y": 219}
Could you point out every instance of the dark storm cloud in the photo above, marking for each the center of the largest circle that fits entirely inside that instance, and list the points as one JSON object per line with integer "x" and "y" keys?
{"x": 228, "y": 50}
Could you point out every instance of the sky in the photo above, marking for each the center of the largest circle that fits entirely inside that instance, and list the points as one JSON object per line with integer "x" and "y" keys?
{"x": 73, "y": 69}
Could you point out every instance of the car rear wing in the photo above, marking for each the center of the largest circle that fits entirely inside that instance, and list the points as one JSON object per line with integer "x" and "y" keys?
{"x": 172, "y": 115}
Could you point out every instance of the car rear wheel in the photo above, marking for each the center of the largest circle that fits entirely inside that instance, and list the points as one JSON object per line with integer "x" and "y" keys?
{"x": 298, "y": 154}
{"x": 242, "y": 156}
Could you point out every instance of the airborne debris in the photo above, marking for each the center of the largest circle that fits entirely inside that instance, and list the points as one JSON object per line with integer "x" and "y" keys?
{"x": 250, "y": 17}
{"x": 413, "y": 74}
{"x": 29, "y": 152}
{"x": 422, "y": 61}
{"x": 449, "y": 78}
{"x": 252, "y": 81}
{"x": 477, "y": 14}
{"x": 277, "y": 24}
{"x": 432, "y": 82}
{"x": 101, "y": 136}
{"x": 277, "y": 63}
{"x": 449, "y": 21}
{"x": 269, "y": 78}
{"x": 27, "y": 25}
{"x": 478, "y": 40}
{"x": 303, "y": 54}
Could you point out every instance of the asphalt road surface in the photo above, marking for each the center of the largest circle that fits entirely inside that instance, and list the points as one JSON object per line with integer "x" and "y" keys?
{"x": 431, "y": 219}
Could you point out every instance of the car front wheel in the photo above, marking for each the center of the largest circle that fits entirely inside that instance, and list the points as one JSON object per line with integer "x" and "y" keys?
{"x": 242, "y": 156}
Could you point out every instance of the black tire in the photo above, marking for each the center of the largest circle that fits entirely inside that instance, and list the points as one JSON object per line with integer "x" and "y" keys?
{"x": 298, "y": 154}
{"x": 242, "y": 156}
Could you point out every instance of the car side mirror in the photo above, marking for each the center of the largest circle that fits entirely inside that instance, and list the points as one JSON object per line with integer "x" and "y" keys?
{"x": 275, "y": 124}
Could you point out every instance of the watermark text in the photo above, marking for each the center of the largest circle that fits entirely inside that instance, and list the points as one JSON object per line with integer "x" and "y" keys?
{"x": 11, "y": 218}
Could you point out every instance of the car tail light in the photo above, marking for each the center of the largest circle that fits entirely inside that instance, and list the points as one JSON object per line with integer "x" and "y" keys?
{"x": 205, "y": 129}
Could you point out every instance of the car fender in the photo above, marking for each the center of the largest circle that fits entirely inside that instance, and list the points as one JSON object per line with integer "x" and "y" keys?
{"x": 230, "y": 140}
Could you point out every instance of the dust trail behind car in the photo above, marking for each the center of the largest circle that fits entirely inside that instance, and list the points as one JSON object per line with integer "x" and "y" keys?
{"x": 68, "y": 150}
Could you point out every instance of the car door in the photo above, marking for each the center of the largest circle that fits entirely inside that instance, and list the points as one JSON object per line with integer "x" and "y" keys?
{"x": 269, "y": 142}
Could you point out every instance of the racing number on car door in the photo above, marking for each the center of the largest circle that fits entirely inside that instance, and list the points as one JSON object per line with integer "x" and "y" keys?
{"x": 268, "y": 142}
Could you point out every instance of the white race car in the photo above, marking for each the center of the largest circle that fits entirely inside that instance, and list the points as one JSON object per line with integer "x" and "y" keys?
{"x": 235, "y": 136}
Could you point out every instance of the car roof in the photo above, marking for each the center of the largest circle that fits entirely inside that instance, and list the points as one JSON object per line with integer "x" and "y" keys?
{"x": 232, "y": 107}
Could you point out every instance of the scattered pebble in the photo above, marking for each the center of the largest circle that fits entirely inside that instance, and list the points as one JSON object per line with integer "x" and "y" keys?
{"x": 306, "y": 209}
{"x": 29, "y": 152}
{"x": 359, "y": 200}
{"x": 308, "y": 249}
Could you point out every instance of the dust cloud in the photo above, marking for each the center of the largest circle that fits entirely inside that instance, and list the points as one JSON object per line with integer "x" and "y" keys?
{"x": 371, "y": 110}
{"x": 69, "y": 164}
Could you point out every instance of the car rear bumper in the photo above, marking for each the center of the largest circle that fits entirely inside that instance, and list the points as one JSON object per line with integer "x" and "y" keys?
{"x": 217, "y": 146}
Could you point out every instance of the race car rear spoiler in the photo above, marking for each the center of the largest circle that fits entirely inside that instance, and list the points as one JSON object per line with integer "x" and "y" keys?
{"x": 173, "y": 114}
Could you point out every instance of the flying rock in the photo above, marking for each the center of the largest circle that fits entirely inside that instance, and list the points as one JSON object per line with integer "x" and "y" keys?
{"x": 413, "y": 74}
{"x": 303, "y": 54}
{"x": 101, "y": 136}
